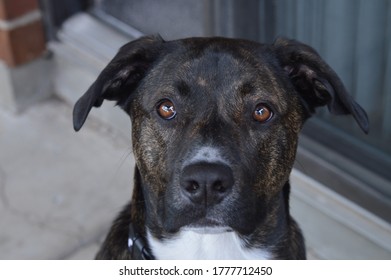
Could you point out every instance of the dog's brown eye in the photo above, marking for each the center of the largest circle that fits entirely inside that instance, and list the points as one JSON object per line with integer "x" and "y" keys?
{"x": 262, "y": 113}
{"x": 166, "y": 110}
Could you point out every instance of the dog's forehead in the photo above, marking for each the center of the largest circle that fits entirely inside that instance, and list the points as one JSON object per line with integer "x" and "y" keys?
{"x": 215, "y": 70}
{"x": 232, "y": 66}
{"x": 219, "y": 62}
{"x": 219, "y": 58}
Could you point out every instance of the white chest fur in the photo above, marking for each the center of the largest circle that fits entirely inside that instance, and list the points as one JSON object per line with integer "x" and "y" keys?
{"x": 206, "y": 246}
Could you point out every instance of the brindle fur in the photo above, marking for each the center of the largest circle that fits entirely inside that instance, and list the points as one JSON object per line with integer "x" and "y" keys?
{"x": 215, "y": 84}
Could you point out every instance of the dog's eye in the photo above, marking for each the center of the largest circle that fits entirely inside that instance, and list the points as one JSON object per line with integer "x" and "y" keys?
{"x": 262, "y": 113}
{"x": 166, "y": 110}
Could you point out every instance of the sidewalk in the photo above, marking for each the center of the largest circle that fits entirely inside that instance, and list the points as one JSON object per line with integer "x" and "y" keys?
{"x": 59, "y": 190}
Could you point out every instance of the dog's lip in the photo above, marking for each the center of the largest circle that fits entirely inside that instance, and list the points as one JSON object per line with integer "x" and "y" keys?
{"x": 208, "y": 229}
{"x": 207, "y": 226}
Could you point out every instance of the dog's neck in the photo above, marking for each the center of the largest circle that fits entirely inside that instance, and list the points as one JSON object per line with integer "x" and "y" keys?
{"x": 137, "y": 211}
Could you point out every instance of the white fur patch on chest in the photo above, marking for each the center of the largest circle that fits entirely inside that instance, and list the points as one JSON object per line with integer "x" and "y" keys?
{"x": 190, "y": 245}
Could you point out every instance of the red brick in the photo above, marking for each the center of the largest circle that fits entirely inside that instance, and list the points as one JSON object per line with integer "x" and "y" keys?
{"x": 22, "y": 44}
{"x": 10, "y": 9}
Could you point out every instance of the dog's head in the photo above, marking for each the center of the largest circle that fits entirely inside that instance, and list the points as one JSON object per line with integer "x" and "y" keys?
{"x": 215, "y": 124}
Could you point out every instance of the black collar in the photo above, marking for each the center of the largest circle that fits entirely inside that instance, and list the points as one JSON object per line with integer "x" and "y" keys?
{"x": 137, "y": 245}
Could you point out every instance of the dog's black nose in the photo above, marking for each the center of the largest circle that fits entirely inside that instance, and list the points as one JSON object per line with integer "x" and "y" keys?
{"x": 206, "y": 183}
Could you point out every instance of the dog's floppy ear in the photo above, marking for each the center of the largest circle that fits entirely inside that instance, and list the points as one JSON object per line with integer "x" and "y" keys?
{"x": 119, "y": 78}
{"x": 316, "y": 82}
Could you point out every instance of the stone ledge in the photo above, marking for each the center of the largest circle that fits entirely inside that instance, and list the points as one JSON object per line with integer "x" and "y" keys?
{"x": 334, "y": 227}
{"x": 25, "y": 85}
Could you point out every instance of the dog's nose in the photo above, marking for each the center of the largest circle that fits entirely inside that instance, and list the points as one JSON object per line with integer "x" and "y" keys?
{"x": 206, "y": 183}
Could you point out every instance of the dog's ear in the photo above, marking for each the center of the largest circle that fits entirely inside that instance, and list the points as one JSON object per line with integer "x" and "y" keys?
{"x": 316, "y": 82}
{"x": 119, "y": 78}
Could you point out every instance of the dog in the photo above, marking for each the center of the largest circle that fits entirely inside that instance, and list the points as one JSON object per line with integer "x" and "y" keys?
{"x": 215, "y": 125}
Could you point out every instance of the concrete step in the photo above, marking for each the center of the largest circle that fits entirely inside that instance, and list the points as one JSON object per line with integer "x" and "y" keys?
{"x": 59, "y": 190}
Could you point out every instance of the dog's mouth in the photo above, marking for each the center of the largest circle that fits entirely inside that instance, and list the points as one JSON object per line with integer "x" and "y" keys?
{"x": 208, "y": 229}
{"x": 207, "y": 226}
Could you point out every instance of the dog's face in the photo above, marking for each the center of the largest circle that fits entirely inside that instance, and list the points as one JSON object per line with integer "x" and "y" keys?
{"x": 215, "y": 125}
{"x": 214, "y": 133}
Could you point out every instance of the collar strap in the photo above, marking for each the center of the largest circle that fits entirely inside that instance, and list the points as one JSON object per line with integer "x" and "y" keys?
{"x": 137, "y": 245}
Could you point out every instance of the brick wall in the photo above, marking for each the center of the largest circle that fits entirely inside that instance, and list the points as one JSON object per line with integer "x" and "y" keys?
{"x": 21, "y": 32}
